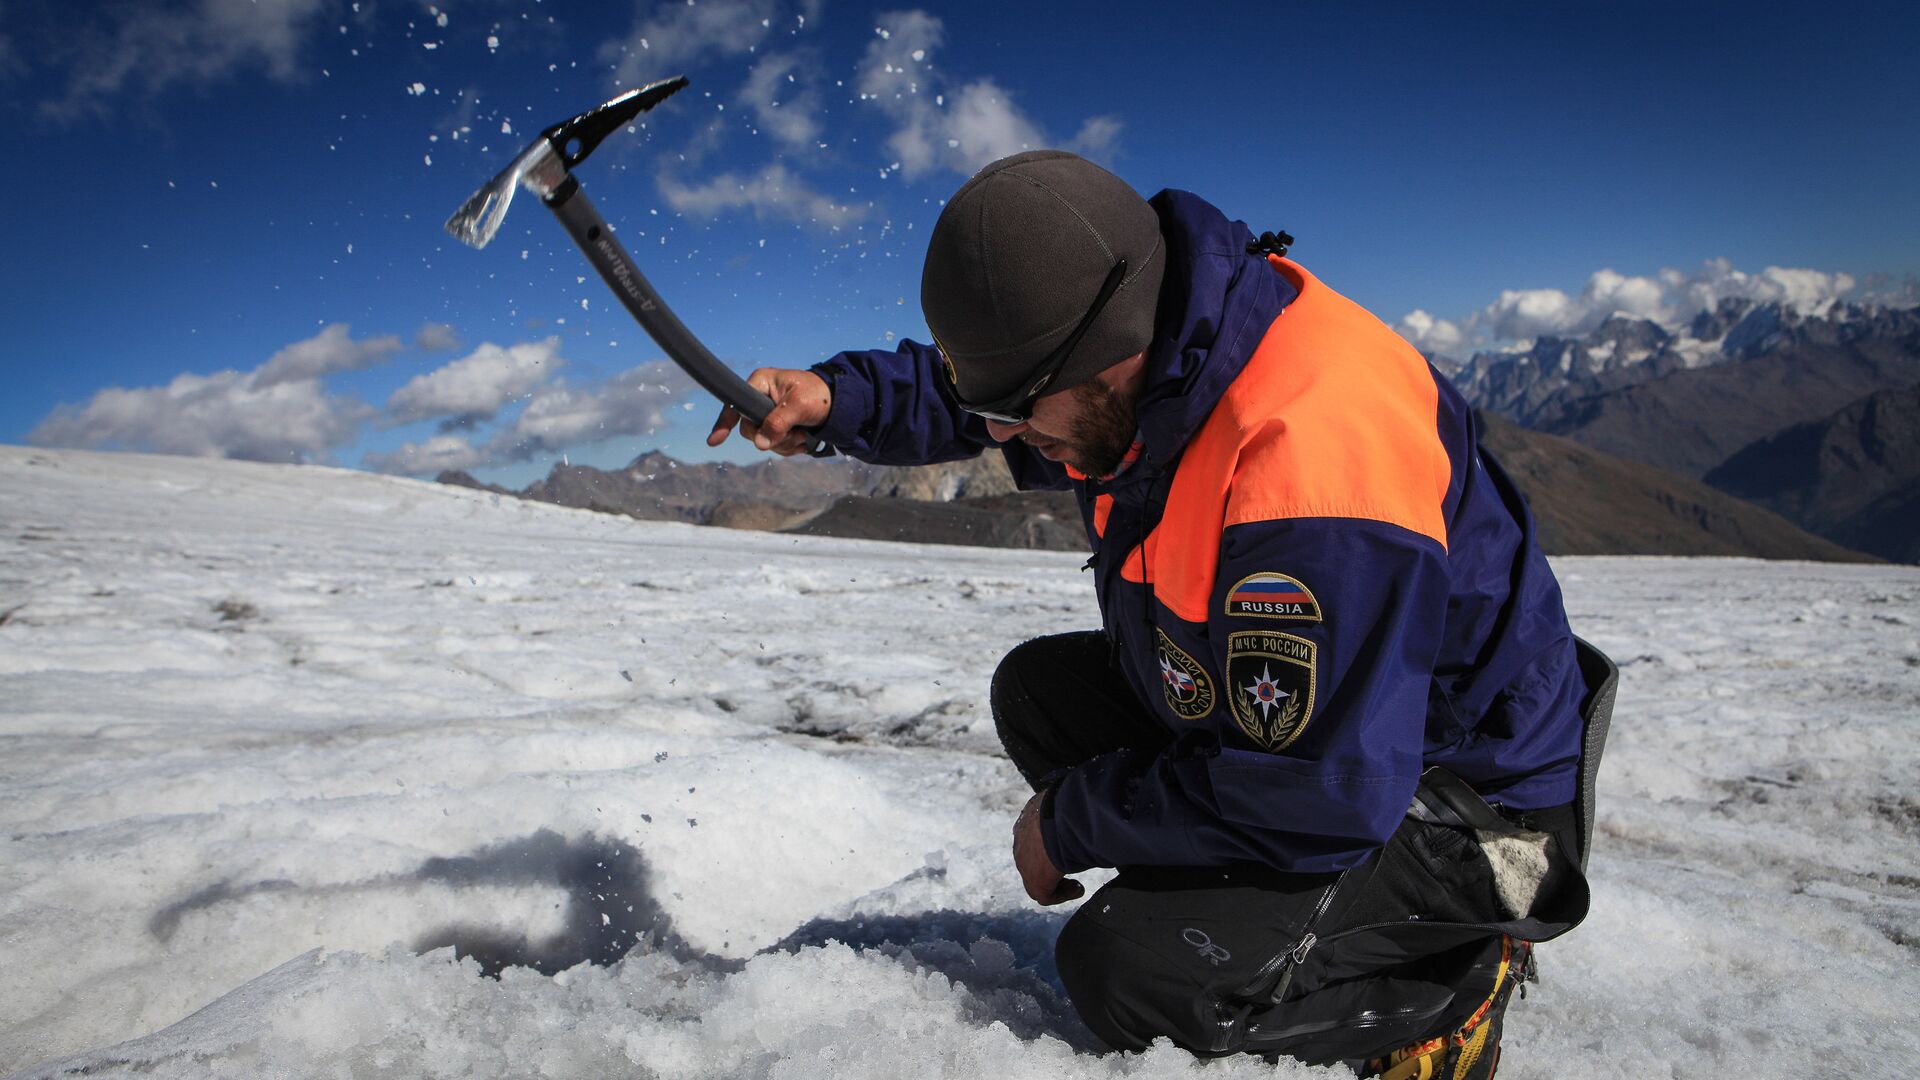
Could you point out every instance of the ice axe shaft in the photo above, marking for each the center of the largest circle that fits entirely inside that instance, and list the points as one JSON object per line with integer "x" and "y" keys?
{"x": 584, "y": 224}
{"x": 545, "y": 168}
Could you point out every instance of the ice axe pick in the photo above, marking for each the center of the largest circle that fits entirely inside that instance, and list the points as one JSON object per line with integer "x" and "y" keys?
{"x": 545, "y": 168}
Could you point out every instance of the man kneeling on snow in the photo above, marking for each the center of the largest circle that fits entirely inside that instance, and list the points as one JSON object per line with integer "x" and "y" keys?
{"x": 1331, "y": 732}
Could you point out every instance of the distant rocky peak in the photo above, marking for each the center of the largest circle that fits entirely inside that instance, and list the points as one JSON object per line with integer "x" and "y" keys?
{"x": 1713, "y": 323}
{"x": 1532, "y": 382}
{"x": 1761, "y": 328}
{"x": 1627, "y": 332}
{"x": 651, "y": 462}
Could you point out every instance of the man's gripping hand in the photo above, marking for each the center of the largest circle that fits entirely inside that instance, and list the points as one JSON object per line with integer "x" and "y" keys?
{"x": 801, "y": 400}
{"x": 1043, "y": 880}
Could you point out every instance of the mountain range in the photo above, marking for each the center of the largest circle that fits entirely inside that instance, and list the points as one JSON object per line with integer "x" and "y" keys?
{"x": 1586, "y": 502}
{"x": 1756, "y": 429}
{"x": 1733, "y": 395}
{"x": 961, "y": 502}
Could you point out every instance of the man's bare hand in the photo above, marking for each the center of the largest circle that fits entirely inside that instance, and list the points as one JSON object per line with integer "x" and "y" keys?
{"x": 801, "y": 400}
{"x": 1043, "y": 880}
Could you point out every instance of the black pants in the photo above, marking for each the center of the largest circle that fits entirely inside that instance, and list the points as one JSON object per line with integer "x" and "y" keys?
{"x": 1199, "y": 954}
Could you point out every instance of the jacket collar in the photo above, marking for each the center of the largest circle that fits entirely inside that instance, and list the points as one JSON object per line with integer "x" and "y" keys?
{"x": 1216, "y": 302}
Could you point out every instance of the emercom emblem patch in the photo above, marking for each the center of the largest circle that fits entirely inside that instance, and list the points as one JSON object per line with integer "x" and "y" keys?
{"x": 1270, "y": 680}
{"x": 1185, "y": 683}
{"x": 1272, "y": 596}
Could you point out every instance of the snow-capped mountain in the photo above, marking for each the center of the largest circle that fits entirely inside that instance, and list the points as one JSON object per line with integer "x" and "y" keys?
{"x": 1689, "y": 399}
{"x": 1537, "y": 383}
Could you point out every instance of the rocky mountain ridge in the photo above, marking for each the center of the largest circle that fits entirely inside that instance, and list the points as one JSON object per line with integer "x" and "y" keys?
{"x": 1647, "y": 411}
{"x": 1585, "y": 501}
{"x": 1694, "y": 400}
{"x": 1536, "y": 386}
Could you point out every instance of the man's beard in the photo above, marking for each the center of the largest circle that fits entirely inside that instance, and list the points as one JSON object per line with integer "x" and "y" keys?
{"x": 1099, "y": 438}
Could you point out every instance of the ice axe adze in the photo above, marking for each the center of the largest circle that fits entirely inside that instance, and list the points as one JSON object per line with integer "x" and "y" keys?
{"x": 545, "y": 168}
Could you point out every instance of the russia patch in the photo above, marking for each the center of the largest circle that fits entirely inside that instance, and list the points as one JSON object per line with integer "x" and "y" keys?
{"x": 1188, "y": 690}
{"x": 1272, "y": 596}
{"x": 1270, "y": 683}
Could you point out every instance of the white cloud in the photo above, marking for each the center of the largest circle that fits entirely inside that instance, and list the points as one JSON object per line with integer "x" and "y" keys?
{"x": 435, "y": 456}
{"x": 1888, "y": 291}
{"x": 631, "y": 403}
{"x": 1429, "y": 334}
{"x": 1670, "y": 297}
{"x": 151, "y": 46}
{"x": 960, "y": 129}
{"x": 1098, "y": 138}
{"x": 1809, "y": 291}
{"x": 678, "y": 35}
{"x": 478, "y": 385}
{"x": 783, "y": 97}
{"x": 436, "y": 337}
{"x": 981, "y": 125}
{"x": 226, "y": 414}
{"x": 557, "y": 418}
{"x": 279, "y": 411}
{"x": 1529, "y": 313}
{"x": 774, "y": 192}
{"x": 329, "y": 351}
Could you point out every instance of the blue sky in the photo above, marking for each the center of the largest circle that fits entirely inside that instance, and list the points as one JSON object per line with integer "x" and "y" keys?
{"x": 225, "y": 231}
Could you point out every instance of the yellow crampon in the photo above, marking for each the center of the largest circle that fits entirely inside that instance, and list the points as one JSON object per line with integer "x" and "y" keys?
{"x": 1457, "y": 1056}
{"x": 1421, "y": 1061}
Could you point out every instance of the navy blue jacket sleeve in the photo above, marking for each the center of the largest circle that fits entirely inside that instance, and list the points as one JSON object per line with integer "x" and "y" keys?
{"x": 892, "y": 408}
{"x": 1311, "y": 792}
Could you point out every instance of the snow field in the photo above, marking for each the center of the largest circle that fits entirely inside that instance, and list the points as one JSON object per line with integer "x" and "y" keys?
{"x": 275, "y": 738}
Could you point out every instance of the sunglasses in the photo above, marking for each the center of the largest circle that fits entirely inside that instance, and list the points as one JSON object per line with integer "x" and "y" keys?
{"x": 1017, "y": 407}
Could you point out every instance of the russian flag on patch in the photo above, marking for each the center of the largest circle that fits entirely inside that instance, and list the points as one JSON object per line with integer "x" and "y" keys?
{"x": 1274, "y": 596}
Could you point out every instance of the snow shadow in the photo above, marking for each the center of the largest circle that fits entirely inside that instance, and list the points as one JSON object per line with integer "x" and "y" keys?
{"x": 1005, "y": 962}
{"x": 166, "y": 921}
{"x": 610, "y": 909}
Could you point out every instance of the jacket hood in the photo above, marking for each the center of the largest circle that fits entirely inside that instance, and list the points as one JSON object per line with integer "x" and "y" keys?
{"x": 1216, "y": 303}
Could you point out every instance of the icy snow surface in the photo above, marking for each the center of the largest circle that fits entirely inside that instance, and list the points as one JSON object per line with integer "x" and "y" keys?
{"x": 274, "y": 740}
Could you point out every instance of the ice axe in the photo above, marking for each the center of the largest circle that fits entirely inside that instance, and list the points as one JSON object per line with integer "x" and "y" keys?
{"x": 545, "y": 168}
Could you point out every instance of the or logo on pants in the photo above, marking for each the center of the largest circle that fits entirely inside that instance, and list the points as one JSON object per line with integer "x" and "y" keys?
{"x": 1204, "y": 947}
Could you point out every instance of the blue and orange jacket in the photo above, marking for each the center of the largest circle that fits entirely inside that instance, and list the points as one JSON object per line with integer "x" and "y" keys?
{"x": 1312, "y": 573}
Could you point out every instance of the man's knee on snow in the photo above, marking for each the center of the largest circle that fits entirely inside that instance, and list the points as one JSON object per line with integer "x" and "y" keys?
{"x": 1102, "y": 973}
{"x": 1008, "y": 696}
{"x": 1130, "y": 993}
{"x": 1015, "y": 715}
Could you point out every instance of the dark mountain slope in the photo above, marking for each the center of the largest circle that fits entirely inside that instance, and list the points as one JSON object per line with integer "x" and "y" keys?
{"x": 1590, "y": 503}
{"x": 1851, "y": 476}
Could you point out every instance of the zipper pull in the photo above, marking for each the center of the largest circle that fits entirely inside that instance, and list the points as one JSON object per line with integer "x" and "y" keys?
{"x": 1306, "y": 945}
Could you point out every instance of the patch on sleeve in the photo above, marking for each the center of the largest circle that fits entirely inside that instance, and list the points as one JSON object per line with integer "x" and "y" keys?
{"x": 1188, "y": 689}
{"x": 1272, "y": 596}
{"x": 1270, "y": 680}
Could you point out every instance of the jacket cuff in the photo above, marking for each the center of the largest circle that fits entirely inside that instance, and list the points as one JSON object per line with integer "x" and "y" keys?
{"x": 1064, "y": 853}
{"x": 851, "y": 406}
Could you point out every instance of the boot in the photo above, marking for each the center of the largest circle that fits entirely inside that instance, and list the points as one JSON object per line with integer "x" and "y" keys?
{"x": 1472, "y": 1051}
